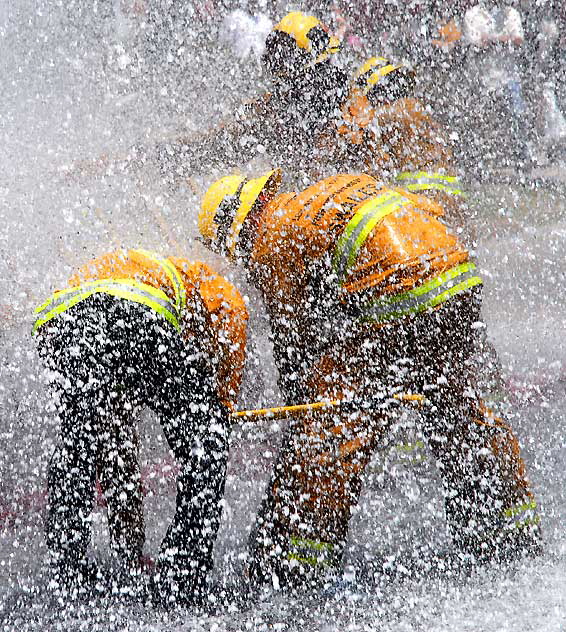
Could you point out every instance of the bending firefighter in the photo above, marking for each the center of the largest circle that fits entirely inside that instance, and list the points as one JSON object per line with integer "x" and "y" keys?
{"x": 368, "y": 294}
{"x": 133, "y": 329}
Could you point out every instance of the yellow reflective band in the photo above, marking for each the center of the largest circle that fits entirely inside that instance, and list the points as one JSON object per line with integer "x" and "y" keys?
{"x": 334, "y": 46}
{"x": 457, "y": 289}
{"x": 172, "y": 274}
{"x": 305, "y": 546}
{"x": 312, "y": 561}
{"x": 424, "y": 181}
{"x": 61, "y": 295}
{"x": 434, "y": 186}
{"x": 370, "y": 64}
{"x": 410, "y": 447}
{"x": 513, "y": 511}
{"x": 418, "y": 175}
{"x": 522, "y": 516}
{"x": 405, "y": 453}
{"x": 128, "y": 289}
{"x": 506, "y": 528}
{"x": 426, "y": 296}
{"x": 438, "y": 281}
{"x": 528, "y": 522}
{"x": 360, "y": 226}
{"x": 315, "y": 545}
{"x": 43, "y": 306}
{"x": 507, "y": 521}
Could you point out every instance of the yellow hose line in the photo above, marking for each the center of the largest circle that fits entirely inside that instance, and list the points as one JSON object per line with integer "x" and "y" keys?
{"x": 282, "y": 412}
{"x": 285, "y": 412}
{"x": 411, "y": 397}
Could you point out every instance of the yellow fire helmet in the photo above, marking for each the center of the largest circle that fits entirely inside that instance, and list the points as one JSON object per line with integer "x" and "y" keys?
{"x": 226, "y": 205}
{"x": 297, "y": 42}
{"x": 381, "y": 80}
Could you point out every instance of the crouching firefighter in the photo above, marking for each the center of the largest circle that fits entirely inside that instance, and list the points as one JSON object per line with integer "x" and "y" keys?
{"x": 134, "y": 329}
{"x": 368, "y": 293}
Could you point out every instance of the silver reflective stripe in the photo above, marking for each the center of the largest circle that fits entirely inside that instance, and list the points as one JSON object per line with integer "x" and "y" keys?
{"x": 427, "y": 295}
{"x": 425, "y": 181}
{"x": 360, "y": 226}
{"x": 122, "y": 288}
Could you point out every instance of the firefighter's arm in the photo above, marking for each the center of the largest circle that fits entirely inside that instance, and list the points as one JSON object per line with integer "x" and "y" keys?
{"x": 184, "y": 155}
{"x": 181, "y": 154}
{"x": 229, "y": 318}
{"x": 226, "y": 143}
{"x": 232, "y": 352}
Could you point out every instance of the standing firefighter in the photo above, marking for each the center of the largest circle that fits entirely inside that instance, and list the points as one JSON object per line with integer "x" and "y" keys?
{"x": 304, "y": 101}
{"x": 134, "y": 328}
{"x": 307, "y": 87}
{"x": 389, "y": 133}
{"x": 368, "y": 293}
{"x": 317, "y": 114}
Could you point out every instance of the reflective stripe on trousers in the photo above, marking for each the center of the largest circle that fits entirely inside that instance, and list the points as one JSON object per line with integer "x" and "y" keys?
{"x": 123, "y": 288}
{"x": 360, "y": 226}
{"x": 521, "y": 516}
{"x": 416, "y": 181}
{"x": 312, "y": 552}
{"x": 425, "y": 296}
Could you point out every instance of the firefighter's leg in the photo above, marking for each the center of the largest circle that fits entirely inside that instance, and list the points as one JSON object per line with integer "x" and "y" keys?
{"x": 302, "y": 525}
{"x": 186, "y": 556}
{"x": 77, "y": 384}
{"x": 196, "y": 426}
{"x": 71, "y": 478}
{"x": 490, "y": 507}
{"x": 120, "y": 480}
{"x": 89, "y": 349}
{"x": 489, "y": 504}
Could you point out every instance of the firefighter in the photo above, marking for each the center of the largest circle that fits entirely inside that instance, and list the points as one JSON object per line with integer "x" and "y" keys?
{"x": 306, "y": 90}
{"x": 367, "y": 293}
{"x": 307, "y": 86}
{"x": 318, "y": 118}
{"x": 134, "y": 328}
{"x": 388, "y": 132}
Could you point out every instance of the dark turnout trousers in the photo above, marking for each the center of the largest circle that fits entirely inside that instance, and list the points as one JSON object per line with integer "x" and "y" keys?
{"x": 302, "y": 524}
{"x": 107, "y": 358}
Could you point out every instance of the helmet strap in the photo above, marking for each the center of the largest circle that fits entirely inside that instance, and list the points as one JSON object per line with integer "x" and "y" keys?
{"x": 249, "y": 230}
{"x": 224, "y": 217}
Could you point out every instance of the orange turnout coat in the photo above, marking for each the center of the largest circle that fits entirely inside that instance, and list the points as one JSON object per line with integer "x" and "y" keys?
{"x": 401, "y": 142}
{"x": 300, "y": 234}
{"x": 215, "y": 299}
